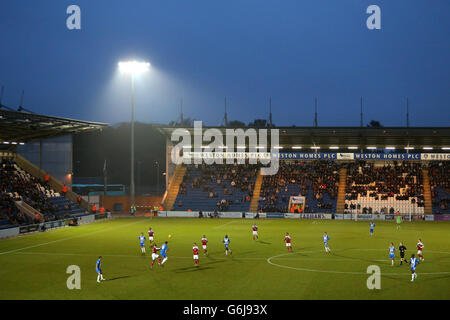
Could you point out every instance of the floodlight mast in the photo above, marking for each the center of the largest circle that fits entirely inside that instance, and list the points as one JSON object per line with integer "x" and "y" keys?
{"x": 133, "y": 68}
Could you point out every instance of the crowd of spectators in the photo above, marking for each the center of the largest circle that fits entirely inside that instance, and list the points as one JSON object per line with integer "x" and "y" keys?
{"x": 27, "y": 188}
{"x": 9, "y": 211}
{"x": 319, "y": 176}
{"x": 228, "y": 178}
{"x": 399, "y": 180}
{"x": 439, "y": 174}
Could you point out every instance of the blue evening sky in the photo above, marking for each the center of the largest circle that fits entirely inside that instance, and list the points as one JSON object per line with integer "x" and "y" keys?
{"x": 246, "y": 50}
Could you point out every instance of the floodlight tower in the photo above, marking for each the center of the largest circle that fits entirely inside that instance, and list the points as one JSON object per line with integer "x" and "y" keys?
{"x": 133, "y": 68}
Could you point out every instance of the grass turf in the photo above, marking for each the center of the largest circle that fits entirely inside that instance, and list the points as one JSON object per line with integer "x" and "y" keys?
{"x": 34, "y": 266}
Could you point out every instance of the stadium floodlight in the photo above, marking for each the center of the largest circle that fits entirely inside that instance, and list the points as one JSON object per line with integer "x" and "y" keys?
{"x": 133, "y": 68}
{"x": 278, "y": 147}
{"x": 427, "y": 148}
{"x": 315, "y": 147}
{"x": 296, "y": 147}
{"x": 240, "y": 147}
{"x": 409, "y": 148}
{"x": 371, "y": 148}
{"x": 445, "y": 148}
{"x": 334, "y": 147}
{"x": 352, "y": 148}
{"x": 5, "y": 142}
{"x": 390, "y": 148}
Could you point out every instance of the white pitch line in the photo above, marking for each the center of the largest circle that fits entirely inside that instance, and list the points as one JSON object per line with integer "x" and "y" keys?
{"x": 222, "y": 225}
{"x": 343, "y": 272}
{"x": 64, "y": 239}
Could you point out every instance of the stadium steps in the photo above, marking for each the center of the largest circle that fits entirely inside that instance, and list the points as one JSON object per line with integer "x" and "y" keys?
{"x": 427, "y": 192}
{"x": 341, "y": 190}
{"x": 53, "y": 182}
{"x": 256, "y": 192}
{"x": 174, "y": 187}
{"x": 28, "y": 210}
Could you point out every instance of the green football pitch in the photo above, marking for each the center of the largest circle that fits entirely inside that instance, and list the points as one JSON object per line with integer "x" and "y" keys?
{"x": 34, "y": 266}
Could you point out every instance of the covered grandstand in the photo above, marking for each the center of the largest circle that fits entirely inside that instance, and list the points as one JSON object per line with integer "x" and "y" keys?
{"x": 28, "y": 193}
{"x": 367, "y": 170}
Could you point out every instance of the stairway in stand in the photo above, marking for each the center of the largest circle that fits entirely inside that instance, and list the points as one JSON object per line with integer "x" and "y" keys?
{"x": 427, "y": 192}
{"x": 341, "y": 190}
{"x": 174, "y": 187}
{"x": 256, "y": 192}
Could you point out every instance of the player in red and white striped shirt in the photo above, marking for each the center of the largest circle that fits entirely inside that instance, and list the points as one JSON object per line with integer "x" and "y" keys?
{"x": 255, "y": 232}
{"x": 155, "y": 255}
{"x": 419, "y": 250}
{"x": 204, "y": 242}
{"x": 150, "y": 235}
{"x": 287, "y": 239}
{"x": 195, "y": 252}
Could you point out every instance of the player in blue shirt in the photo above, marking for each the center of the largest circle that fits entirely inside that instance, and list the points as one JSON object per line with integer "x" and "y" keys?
{"x": 226, "y": 241}
{"x": 163, "y": 253}
{"x": 372, "y": 227}
{"x": 413, "y": 262}
{"x": 142, "y": 242}
{"x": 392, "y": 252}
{"x": 98, "y": 268}
{"x": 325, "y": 238}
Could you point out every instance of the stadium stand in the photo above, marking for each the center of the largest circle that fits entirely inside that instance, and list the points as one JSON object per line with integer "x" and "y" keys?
{"x": 18, "y": 185}
{"x": 317, "y": 181}
{"x": 216, "y": 187}
{"x": 440, "y": 186}
{"x": 377, "y": 187}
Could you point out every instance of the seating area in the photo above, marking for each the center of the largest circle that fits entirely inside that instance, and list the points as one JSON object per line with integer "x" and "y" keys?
{"x": 316, "y": 180}
{"x": 384, "y": 188}
{"x": 10, "y": 216}
{"x": 216, "y": 187}
{"x": 438, "y": 172}
{"x": 16, "y": 184}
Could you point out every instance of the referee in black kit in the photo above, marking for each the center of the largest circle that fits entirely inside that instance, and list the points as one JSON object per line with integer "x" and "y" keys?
{"x": 402, "y": 250}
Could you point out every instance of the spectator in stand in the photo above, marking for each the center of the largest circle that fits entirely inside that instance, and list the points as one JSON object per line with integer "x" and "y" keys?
{"x": 47, "y": 179}
{"x": 64, "y": 190}
{"x": 94, "y": 208}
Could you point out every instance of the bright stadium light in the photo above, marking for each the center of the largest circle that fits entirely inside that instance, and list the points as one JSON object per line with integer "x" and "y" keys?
{"x": 352, "y": 148}
{"x": 445, "y": 148}
{"x": 133, "y": 68}
{"x": 315, "y": 147}
{"x": 390, "y": 148}
{"x": 296, "y": 147}
{"x": 427, "y": 148}
{"x": 334, "y": 147}
{"x": 371, "y": 148}
{"x": 409, "y": 148}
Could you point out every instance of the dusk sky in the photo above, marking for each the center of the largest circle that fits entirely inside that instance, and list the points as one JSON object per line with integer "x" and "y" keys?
{"x": 246, "y": 50}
